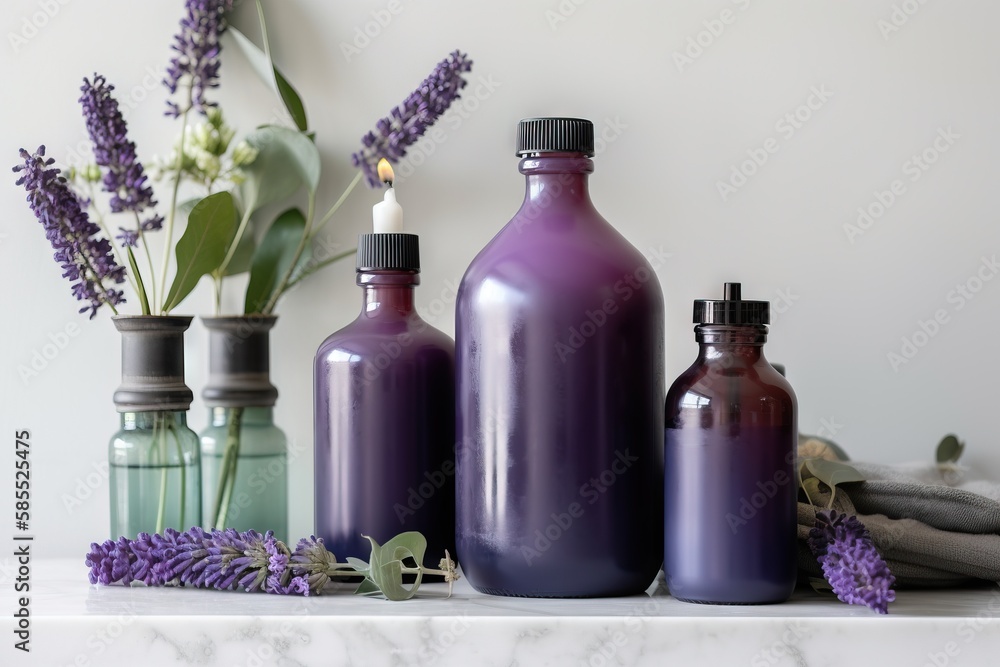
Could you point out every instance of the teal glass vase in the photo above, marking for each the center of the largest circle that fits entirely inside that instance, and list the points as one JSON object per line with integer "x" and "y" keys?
{"x": 244, "y": 454}
{"x": 154, "y": 459}
{"x": 155, "y": 474}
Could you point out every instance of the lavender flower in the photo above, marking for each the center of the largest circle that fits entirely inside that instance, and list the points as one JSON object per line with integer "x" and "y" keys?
{"x": 408, "y": 121}
{"x": 124, "y": 176}
{"x": 850, "y": 561}
{"x": 227, "y": 560}
{"x": 197, "y": 45}
{"x": 222, "y": 559}
{"x": 86, "y": 259}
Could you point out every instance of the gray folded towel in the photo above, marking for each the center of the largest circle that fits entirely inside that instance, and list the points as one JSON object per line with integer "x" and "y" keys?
{"x": 918, "y": 555}
{"x": 932, "y": 526}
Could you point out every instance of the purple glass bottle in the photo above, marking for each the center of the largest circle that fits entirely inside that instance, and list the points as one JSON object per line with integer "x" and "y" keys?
{"x": 385, "y": 415}
{"x": 730, "y": 484}
{"x": 559, "y": 338}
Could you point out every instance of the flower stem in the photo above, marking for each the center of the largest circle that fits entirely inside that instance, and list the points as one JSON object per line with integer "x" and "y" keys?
{"x": 172, "y": 213}
{"x": 221, "y": 271}
{"x": 308, "y": 234}
{"x": 107, "y": 233}
{"x": 149, "y": 259}
{"x": 183, "y": 469}
{"x": 159, "y": 431}
{"x": 333, "y": 209}
{"x": 227, "y": 470}
{"x": 313, "y": 268}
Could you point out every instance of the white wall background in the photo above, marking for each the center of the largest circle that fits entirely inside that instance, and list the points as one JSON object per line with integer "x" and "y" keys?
{"x": 847, "y": 304}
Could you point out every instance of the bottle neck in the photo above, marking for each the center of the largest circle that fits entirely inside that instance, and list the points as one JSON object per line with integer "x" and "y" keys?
{"x": 255, "y": 416}
{"x": 387, "y": 293}
{"x": 730, "y": 343}
{"x": 555, "y": 178}
{"x": 142, "y": 421}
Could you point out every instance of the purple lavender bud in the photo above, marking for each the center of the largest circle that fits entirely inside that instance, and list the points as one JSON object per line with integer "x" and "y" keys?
{"x": 408, "y": 121}
{"x": 86, "y": 259}
{"x": 850, "y": 561}
{"x": 222, "y": 559}
{"x": 124, "y": 177}
{"x": 197, "y": 45}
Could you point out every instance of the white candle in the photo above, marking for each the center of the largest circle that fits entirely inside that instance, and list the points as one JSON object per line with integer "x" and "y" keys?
{"x": 387, "y": 215}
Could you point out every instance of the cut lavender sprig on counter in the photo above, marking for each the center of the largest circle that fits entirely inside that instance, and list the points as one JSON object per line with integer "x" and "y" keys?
{"x": 86, "y": 258}
{"x": 408, "y": 121}
{"x": 227, "y": 560}
{"x": 123, "y": 174}
{"x": 196, "y": 64}
{"x": 850, "y": 561}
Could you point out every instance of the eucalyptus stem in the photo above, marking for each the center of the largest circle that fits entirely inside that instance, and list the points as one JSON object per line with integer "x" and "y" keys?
{"x": 227, "y": 470}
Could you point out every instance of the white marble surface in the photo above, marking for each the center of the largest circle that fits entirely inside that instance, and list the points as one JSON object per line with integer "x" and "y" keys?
{"x": 74, "y": 623}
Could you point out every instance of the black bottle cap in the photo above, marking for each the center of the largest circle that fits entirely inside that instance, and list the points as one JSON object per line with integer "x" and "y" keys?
{"x": 385, "y": 252}
{"x": 555, "y": 135}
{"x": 731, "y": 309}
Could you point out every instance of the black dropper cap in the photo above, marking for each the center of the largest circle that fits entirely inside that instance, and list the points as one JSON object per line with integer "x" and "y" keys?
{"x": 388, "y": 252}
{"x": 555, "y": 135}
{"x": 732, "y": 309}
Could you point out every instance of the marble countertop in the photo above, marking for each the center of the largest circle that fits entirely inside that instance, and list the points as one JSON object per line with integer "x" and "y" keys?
{"x": 73, "y": 623}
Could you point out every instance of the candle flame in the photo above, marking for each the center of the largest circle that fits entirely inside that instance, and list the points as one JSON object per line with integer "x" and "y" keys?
{"x": 385, "y": 172}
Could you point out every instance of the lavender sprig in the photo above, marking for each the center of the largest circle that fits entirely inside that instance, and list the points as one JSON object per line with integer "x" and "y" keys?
{"x": 197, "y": 61}
{"x": 850, "y": 561}
{"x": 86, "y": 259}
{"x": 224, "y": 560}
{"x": 124, "y": 176}
{"x": 408, "y": 121}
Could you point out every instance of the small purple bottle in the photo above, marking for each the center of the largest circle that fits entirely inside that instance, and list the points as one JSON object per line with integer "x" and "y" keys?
{"x": 730, "y": 484}
{"x": 385, "y": 413}
{"x": 560, "y": 384}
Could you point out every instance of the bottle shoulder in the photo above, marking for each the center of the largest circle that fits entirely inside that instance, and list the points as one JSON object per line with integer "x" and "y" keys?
{"x": 712, "y": 386}
{"x": 561, "y": 262}
{"x": 364, "y": 337}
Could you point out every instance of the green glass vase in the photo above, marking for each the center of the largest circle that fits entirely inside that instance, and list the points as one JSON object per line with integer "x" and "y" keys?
{"x": 244, "y": 454}
{"x": 154, "y": 458}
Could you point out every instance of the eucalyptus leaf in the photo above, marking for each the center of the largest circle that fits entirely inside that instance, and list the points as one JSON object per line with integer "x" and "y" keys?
{"x": 950, "y": 449}
{"x": 367, "y": 587}
{"x": 833, "y": 473}
{"x": 265, "y": 68}
{"x": 201, "y": 249}
{"x": 387, "y": 564}
{"x": 357, "y": 564}
{"x": 140, "y": 288}
{"x": 811, "y": 486}
{"x": 272, "y": 258}
{"x": 286, "y": 161}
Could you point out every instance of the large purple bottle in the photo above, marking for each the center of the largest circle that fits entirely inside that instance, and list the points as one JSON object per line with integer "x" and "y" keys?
{"x": 730, "y": 484}
{"x": 385, "y": 416}
{"x": 559, "y": 339}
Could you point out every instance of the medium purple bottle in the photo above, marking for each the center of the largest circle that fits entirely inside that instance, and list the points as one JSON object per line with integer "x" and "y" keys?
{"x": 730, "y": 485}
{"x": 559, "y": 337}
{"x": 385, "y": 413}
